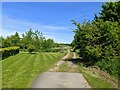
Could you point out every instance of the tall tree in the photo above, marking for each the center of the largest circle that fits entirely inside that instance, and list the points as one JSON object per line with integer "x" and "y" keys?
{"x": 99, "y": 41}
{"x": 110, "y": 12}
{"x": 16, "y": 39}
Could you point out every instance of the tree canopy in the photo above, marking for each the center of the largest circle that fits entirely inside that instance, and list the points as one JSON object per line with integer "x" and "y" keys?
{"x": 29, "y": 40}
{"x": 110, "y": 12}
{"x": 98, "y": 41}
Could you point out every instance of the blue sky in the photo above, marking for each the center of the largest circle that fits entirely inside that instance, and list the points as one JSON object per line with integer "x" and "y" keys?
{"x": 53, "y": 19}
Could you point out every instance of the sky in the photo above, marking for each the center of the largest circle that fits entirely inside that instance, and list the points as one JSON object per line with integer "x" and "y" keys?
{"x": 53, "y": 19}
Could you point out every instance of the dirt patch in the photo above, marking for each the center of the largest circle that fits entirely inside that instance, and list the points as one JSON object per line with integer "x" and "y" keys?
{"x": 64, "y": 65}
{"x": 56, "y": 67}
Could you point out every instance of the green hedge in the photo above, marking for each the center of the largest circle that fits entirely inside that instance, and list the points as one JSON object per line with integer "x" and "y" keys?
{"x": 9, "y": 51}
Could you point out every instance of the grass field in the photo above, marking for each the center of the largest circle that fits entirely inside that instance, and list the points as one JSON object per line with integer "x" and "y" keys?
{"x": 19, "y": 70}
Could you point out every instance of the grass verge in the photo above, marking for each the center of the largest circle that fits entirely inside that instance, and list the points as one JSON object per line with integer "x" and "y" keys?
{"x": 94, "y": 81}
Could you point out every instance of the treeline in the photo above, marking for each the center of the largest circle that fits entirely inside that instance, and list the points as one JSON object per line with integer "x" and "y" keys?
{"x": 98, "y": 41}
{"x": 30, "y": 41}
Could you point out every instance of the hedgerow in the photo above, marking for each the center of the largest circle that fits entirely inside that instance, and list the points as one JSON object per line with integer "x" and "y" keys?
{"x": 99, "y": 44}
{"x": 98, "y": 41}
{"x": 9, "y": 51}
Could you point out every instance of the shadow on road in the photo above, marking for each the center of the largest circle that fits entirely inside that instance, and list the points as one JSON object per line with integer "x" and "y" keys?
{"x": 79, "y": 61}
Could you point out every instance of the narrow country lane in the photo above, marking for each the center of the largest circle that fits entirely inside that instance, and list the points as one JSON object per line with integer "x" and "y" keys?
{"x": 60, "y": 80}
{"x": 53, "y": 79}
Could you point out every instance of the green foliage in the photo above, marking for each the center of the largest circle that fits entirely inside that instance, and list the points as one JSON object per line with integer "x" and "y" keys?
{"x": 36, "y": 39}
{"x": 110, "y": 12}
{"x": 31, "y": 37}
{"x": 13, "y": 40}
{"x": 1, "y": 39}
{"x": 31, "y": 48}
{"x": 99, "y": 41}
{"x": 47, "y": 44}
{"x": 77, "y": 51}
{"x": 9, "y": 51}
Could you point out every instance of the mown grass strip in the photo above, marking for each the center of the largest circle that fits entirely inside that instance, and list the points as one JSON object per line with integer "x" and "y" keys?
{"x": 9, "y": 61}
{"x": 9, "y": 73}
{"x": 24, "y": 68}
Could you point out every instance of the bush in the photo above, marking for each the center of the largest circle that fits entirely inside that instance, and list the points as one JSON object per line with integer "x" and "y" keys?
{"x": 77, "y": 51}
{"x": 111, "y": 66}
{"x": 31, "y": 48}
{"x": 99, "y": 42}
{"x": 9, "y": 51}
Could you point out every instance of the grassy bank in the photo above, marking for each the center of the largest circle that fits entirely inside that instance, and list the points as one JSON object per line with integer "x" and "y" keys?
{"x": 18, "y": 71}
{"x": 95, "y": 77}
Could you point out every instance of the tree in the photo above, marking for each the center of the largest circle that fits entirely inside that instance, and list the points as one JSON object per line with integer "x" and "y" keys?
{"x": 35, "y": 38}
{"x": 38, "y": 40}
{"x": 99, "y": 41}
{"x": 30, "y": 37}
{"x": 1, "y": 41}
{"x": 110, "y": 12}
{"x": 27, "y": 39}
{"x": 15, "y": 39}
{"x": 48, "y": 44}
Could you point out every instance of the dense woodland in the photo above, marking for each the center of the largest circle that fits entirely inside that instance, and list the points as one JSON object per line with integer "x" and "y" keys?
{"x": 98, "y": 41}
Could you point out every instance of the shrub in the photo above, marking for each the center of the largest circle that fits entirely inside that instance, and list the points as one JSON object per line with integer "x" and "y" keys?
{"x": 99, "y": 42}
{"x": 31, "y": 48}
{"x": 77, "y": 51}
{"x": 9, "y": 51}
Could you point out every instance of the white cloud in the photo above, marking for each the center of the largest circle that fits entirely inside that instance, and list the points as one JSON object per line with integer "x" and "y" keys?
{"x": 22, "y": 24}
{"x": 10, "y": 26}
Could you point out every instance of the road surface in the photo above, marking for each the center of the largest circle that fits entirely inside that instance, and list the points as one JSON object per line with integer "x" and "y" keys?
{"x": 52, "y": 79}
{"x": 60, "y": 80}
